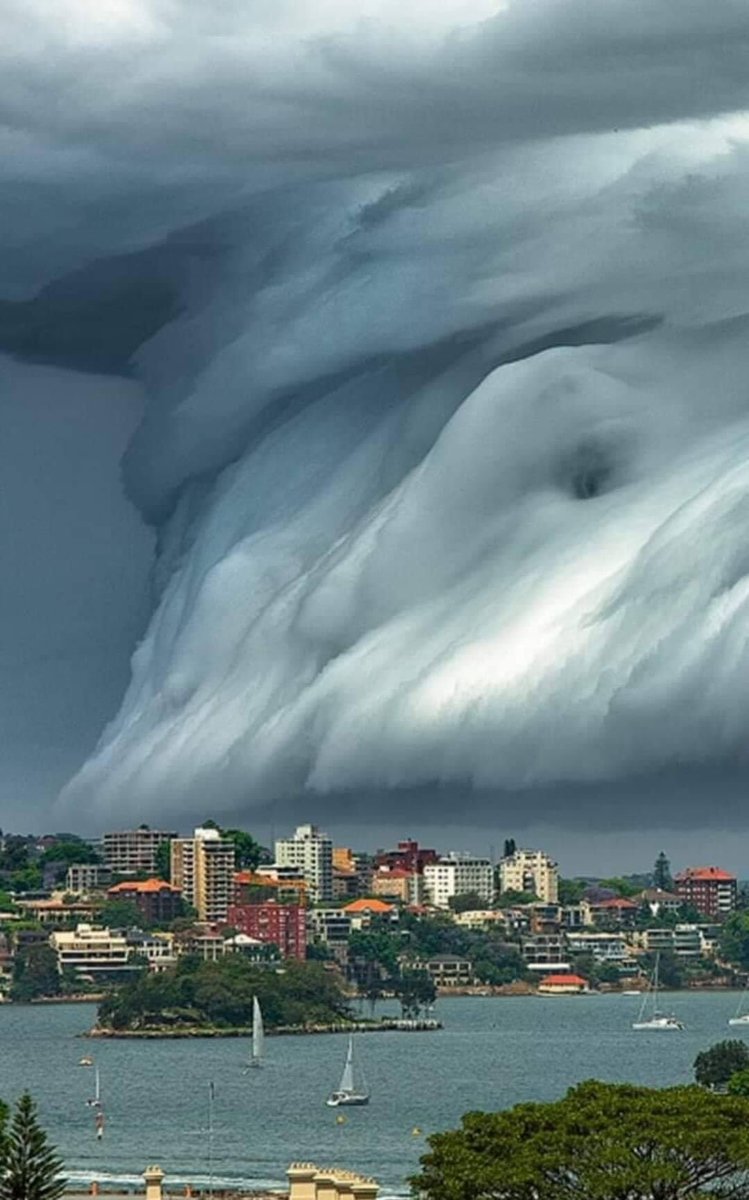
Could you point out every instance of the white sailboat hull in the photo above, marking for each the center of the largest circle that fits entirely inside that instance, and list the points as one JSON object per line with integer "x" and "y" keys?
{"x": 347, "y": 1092}
{"x": 341, "y": 1099}
{"x": 659, "y": 1025}
{"x": 740, "y": 1020}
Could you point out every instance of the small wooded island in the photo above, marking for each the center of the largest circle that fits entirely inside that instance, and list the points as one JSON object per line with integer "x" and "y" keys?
{"x": 214, "y": 999}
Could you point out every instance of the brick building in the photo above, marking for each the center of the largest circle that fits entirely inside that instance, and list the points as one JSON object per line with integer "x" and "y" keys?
{"x": 157, "y": 901}
{"x": 283, "y": 925}
{"x": 711, "y": 890}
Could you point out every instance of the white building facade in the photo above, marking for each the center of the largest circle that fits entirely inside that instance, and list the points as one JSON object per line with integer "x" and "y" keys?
{"x": 311, "y": 851}
{"x": 530, "y": 871}
{"x": 90, "y": 950}
{"x": 458, "y": 875}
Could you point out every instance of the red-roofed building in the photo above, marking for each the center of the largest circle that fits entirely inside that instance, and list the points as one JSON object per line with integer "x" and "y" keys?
{"x": 711, "y": 890}
{"x": 156, "y": 900}
{"x": 563, "y": 985}
{"x": 282, "y": 925}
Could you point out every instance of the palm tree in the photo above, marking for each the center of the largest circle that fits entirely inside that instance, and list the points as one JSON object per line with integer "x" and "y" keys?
{"x": 29, "y": 1167}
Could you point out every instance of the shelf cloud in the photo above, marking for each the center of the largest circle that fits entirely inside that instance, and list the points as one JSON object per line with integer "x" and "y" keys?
{"x": 437, "y": 317}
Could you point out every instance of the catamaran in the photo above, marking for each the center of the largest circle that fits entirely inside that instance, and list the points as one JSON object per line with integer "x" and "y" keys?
{"x": 657, "y": 1020}
{"x": 741, "y": 1018}
{"x": 347, "y": 1092}
{"x": 258, "y": 1035}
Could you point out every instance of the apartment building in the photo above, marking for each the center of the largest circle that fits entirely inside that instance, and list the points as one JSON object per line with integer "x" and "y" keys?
{"x": 312, "y": 851}
{"x": 282, "y": 925}
{"x": 458, "y": 875}
{"x": 202, "y": 868}
{"x": 157, "y": 901}
{"x": 87, "y": 877}
{"x": 407, "y": 856}
{"x": 133, "y": 851}
{"x": 710, "y": 890}
{"x": 530, "y": 871}
{"x": 89, "y": 950}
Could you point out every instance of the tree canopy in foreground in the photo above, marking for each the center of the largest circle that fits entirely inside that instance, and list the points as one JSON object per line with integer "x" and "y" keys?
{"x": 29, "y": 1167}
{"x": 601, "y": 1142}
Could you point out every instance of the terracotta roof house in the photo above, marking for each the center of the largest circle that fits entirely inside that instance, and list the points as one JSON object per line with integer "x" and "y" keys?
{"x": 563, "y": 985}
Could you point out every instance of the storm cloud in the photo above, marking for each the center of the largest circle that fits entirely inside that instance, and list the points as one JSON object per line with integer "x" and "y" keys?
{"x": 439, "y": 320}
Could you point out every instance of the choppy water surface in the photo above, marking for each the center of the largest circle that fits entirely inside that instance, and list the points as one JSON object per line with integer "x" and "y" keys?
{"x": 491, "y": 1054}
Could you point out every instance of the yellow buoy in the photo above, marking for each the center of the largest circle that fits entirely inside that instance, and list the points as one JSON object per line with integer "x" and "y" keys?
{"x": 340, "y": 1119}
{"x": 416, "y": 1132}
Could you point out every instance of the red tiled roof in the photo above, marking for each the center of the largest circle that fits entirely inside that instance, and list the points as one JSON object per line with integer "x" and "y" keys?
{"x": 143, "y": 885}
{"x": 365, "y": 905}
{"x": 559, "y": 980}
{"x": 705, "y": 873}
{"x": 615, "y": 902}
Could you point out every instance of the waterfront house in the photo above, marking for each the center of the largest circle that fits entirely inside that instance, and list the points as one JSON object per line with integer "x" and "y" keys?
{"x": 563, "y": 984}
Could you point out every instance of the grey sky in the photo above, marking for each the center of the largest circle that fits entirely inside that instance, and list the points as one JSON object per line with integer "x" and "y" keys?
{"x": 395, "y": 292}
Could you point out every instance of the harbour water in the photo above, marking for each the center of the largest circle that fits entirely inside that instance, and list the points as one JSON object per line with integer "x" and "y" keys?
{"x": 492, "y": 1053}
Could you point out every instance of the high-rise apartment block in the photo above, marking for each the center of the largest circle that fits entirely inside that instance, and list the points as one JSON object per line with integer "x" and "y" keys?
{"x": 711, "y": 890}
{"x": 312, "y": 851}
{"x": 530, "y": 871}
{"x": 202, "y": 867}
{"x": 457, "y": 875}
{"x": 133, "y": 851}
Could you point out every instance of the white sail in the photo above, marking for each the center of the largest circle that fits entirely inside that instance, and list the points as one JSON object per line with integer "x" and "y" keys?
{"x": 742, "y": 1017}
{"x": 258, "y": 1033}
{"x": 655, "y": 1020}
{"x": 347, "y": 1078}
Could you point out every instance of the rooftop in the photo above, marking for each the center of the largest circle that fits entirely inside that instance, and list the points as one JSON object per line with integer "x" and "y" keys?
{"x": 563, "y": 980}
{"x": 368, "y": 905}
{"x": 706, "y": 874}
{"x": 143, "y": 886}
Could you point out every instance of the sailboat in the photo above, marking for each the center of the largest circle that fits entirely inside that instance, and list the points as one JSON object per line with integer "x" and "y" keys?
{"x": 258, "y": 1035}
{"x": 741, "y": 1018}
{"x": 657, "y": 1020}
{"x": 347, "y": 1092}
{"x": 95, "y": 1100}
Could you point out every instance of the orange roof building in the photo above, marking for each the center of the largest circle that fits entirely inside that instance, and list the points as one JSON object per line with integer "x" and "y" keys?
{"x": 370, "y": 905}
{"x": 158, "y": 902}
{"x": 563, "y": 985}
{"x": 711, "y": 890}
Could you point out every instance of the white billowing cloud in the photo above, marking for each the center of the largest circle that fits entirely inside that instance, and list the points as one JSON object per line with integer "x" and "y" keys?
{"x": 447, "y": 444}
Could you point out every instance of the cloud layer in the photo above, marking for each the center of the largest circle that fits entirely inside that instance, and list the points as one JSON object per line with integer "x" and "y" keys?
{"x": 447, "y": 442}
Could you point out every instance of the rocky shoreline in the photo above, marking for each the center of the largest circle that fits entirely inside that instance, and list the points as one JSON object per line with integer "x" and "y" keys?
{"x": 386, "y": 1025}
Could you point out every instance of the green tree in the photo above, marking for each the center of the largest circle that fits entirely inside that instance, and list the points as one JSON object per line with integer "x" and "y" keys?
{"x": 670, "y": 970}
{"x": 466, "y": 902}
{"x": 163, "y": 858}
{"x": 35, "y": 973}
{"x": 601, "y": 1142}
{"x": 621, "y": 885}
{"x": 571, "y": 891}
{"x": 714, "y": 1067}
{"x": 662, "y": 877}
{"x": 121, "y": 914}
{"x": 733, "y": 943}
{"x": 68, "y": 852}
{"x": 510, "y": 898}
{"x": 31, "y": 1169}
{"x": 249, "y": 853}
{"x": 738, "y": 1084}
{"x": 415, "y": 990}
